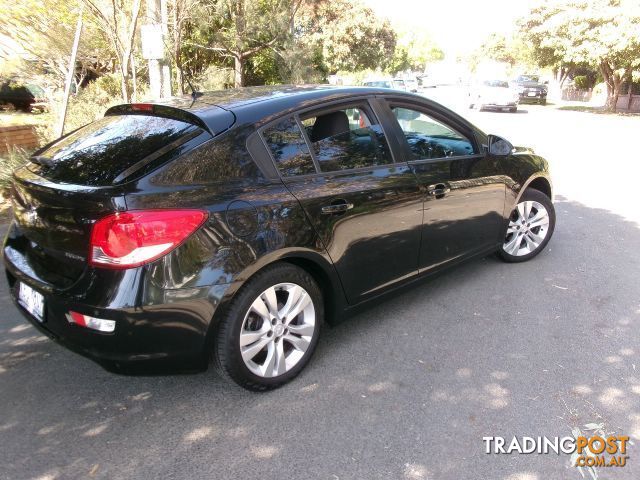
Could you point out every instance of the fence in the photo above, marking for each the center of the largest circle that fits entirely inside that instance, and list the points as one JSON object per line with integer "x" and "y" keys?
{"x": 576, "y": 95}
{"x": 623, "y": 103}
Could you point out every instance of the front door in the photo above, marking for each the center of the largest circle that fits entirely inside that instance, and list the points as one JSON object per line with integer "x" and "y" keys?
{"x": 364, "y": 205}
{"x": 464, "y": 195}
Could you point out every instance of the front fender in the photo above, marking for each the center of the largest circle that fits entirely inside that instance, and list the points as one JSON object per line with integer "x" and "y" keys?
{"x": 524, "y": 169}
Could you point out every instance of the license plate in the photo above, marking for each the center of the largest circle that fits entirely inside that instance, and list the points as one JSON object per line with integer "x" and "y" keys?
{"x": 32, "y": 301}
{"x": 532, "y": 94}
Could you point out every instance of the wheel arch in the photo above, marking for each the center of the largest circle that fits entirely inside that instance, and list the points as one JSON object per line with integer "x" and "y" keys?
{"x": 320, "y": 269}
{"x": 540, "y": 183}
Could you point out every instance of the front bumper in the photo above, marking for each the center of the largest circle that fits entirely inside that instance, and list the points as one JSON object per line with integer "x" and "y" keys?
{"x": 170, "y": 333}
{"x": 537, "y": 96}
{"x": 500, "y": 105}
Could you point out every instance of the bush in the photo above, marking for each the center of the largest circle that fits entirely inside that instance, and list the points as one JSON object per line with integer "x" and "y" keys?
{"x": 213, "y": 78}
{"x": 14, "y": 158}
{"x": 582, "y": 82}
{"x": 85, "y": 107}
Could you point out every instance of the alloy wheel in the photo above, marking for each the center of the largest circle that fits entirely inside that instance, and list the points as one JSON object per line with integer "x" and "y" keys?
{"x": 277, "y": 330}
{"x": 528, "y": 227}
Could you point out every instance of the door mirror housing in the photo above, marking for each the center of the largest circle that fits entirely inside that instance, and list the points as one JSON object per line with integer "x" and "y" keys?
{"x": 498, "y": 146}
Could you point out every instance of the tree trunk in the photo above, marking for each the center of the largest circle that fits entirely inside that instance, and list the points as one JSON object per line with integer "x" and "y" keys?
{"x": 238, "y": 77}
{"x": 124, "y": 84}
{"x": 630, "y": 87}
{"x": 608, "y": 76}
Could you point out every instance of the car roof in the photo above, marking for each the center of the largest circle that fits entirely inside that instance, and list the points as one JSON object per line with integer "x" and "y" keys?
{"x": 256, "y": 104}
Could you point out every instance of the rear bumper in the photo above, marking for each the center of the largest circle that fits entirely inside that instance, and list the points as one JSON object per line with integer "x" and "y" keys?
{"x": 170, "y": 334}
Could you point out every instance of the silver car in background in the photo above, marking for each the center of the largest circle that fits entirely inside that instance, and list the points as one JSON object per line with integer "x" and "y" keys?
{"x": 495, "y": 95}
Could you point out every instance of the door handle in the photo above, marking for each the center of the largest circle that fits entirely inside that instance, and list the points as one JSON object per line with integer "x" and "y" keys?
{"x": 438, "y": 190}
{"x": 339, "y": 206}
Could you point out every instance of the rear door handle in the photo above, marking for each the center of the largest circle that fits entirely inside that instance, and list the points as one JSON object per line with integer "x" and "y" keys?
{"x": 337, "y": 207}
{"x": 438, "y": 190}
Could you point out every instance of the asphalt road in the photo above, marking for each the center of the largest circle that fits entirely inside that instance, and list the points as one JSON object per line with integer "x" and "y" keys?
{"x": 406, "y": 390}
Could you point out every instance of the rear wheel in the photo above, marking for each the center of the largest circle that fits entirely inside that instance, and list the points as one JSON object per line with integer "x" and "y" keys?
{"x": 513, "y": 109}
{"x": 530, "y": 227}
{"x": 271, "y": 328}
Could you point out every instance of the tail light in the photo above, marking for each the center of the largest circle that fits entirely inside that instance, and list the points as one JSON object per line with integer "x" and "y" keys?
{"x": 130, "y": 239}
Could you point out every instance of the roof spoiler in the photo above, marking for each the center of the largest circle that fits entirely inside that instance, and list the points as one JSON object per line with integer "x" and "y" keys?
{"x": 158, "y": 111}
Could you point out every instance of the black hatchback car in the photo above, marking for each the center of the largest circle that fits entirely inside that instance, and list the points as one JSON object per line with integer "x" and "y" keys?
{"x": 234, "y": 224}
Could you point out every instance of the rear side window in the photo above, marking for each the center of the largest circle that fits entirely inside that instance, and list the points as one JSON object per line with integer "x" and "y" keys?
{"x": 289, "y": 148}
{"x": 98, "y": 153}
{"x": 347, "y": 138}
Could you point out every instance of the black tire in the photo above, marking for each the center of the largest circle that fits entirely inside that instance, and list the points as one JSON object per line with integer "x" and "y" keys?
{"x": 536, "y": 196}
{"x": 226, "y": 349}
{"x": 543, "y": 102}
{"x": 513, "y": 109}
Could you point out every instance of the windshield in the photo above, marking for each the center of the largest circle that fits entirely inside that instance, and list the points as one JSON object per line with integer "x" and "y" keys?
{"x": 97, "y": 153}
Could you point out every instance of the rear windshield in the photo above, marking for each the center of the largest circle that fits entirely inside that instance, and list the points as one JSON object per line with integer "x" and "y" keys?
{"x": 98, "y": 153}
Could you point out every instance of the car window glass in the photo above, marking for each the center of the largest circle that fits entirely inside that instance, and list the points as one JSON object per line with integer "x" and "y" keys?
{"x": 429, "y": 138}
{"x": 289, "y": 148}
{"x": 99, "y": 152}
{"x": 347, "y": 138}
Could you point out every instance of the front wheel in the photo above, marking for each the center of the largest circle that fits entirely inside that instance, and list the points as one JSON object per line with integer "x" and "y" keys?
{"x": 530, "y": 227}
{"x": 271, "y": 328}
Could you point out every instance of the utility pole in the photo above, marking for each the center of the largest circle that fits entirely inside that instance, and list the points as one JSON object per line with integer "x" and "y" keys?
{"x": 70, "y": 74}
{"x": 153, "y": 36}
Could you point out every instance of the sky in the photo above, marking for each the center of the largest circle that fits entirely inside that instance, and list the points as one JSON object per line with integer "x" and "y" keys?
{"x": 457, "y": 26}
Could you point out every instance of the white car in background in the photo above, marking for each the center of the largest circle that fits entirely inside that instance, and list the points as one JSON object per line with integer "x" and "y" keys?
{"x": 495, "y": 95}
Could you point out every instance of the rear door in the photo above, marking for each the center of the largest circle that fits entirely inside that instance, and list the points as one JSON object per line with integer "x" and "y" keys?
{"x": 364, "y": 203}
{"x": 464, "y": 195}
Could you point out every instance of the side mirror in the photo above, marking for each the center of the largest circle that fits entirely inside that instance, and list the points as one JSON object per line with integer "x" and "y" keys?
{"x": 498, "y": 146}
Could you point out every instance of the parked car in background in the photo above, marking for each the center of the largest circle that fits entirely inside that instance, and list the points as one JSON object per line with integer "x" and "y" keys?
{"x": 395, "y": 83}
{"x": 231, "y": 226}
{"x": 411, "y": 85}
{"x": 387, "y": 83}
{"x": 493, "y": 94}
{"x": 530, "y": 89}
{"x": 23, "y": 96}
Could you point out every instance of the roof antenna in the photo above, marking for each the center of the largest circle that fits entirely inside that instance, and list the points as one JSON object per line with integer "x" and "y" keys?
{"x": 194, "y": 93}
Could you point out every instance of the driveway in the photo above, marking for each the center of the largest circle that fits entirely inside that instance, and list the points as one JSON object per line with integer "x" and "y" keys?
{"x": 406, "y": 390}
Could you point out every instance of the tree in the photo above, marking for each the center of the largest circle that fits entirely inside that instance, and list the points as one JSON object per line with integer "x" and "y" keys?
{"x": 349, "y": 34}
{"x": 414, "y": 50}
{"x": 118, "y": 20}
{"x": 601, "y": 33}
{"x": 511, "y": 50}
{"x": 609, "y": 32}
{"x": 181, "y": 12}
{"x": 44, "y": 31}
{"x": 240, "y": 29}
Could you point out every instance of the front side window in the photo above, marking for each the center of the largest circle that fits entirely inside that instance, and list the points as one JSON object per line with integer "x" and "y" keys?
{"x": 428, "y": 138}
{"x": 347, "y": 138}
{"x": 289, "y": 149}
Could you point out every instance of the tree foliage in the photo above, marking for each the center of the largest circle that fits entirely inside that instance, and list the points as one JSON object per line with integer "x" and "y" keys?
{"x": 44, "y": 31}
{"x": 604, "y": 34}
{"x": 414, "y": 51}
{"x": 349, "y": 35}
